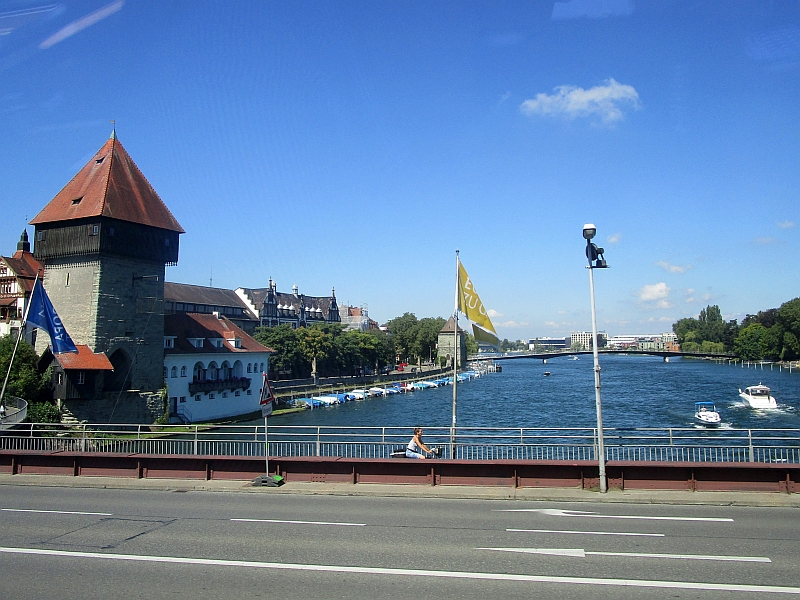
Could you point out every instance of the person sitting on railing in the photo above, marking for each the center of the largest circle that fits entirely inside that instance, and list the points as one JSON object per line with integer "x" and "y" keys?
{"x": 416, "y": 446}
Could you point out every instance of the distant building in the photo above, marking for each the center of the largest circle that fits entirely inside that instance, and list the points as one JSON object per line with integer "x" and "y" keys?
{"x": 17, "y": 276}
{"x": 549, "y": 343}
{"x": 273, "y": 308}
{"x": 447, "y": 342}
{"x": 212, "y": 368}
{"x": 582, "y": 340}
{"x": 661, "y": 342}
{"x": 357, "y": 318}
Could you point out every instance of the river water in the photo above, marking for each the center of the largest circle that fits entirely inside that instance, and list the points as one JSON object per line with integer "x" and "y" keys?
{"x": 637, "y": 391}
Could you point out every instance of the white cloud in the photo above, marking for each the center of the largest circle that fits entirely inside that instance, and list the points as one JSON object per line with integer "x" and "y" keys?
{"x": 81, "y": 24}
{"x": 673, "y": 268}
{"x": 765, "y": 241}
{"x": 513, "y": 324}
{"x": 656, "y": 291}
{"x": 785, "y": 224}
{"x": 614, "y": 238}
{"x": 493, "y": 313}
{"x": 591, "y": 9}
{"x": 571, "y": 101}
{"x": 505, "y": 97}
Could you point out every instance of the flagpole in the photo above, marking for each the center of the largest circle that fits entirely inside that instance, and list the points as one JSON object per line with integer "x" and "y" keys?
{"x": 455, "y": 366}
{"x": 16, "y": 344}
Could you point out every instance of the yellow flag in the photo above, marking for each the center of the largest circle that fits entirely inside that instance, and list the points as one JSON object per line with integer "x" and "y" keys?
{"x": 469, "y": 303}
{"x": 481, "y": 335}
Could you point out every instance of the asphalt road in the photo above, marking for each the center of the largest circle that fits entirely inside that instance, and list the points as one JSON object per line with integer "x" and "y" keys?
{"x": 103, "y": 543}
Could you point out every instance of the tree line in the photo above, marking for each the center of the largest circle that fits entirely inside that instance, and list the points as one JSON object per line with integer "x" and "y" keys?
{"x": 772, "y": 334}
{"x": 329, "y": 350}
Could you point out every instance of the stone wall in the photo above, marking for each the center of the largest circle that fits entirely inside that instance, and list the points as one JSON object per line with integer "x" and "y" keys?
{"x": 113, "y": 407}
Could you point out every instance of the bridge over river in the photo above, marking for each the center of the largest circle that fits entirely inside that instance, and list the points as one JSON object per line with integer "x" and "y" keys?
{"x": 665, "y": 354}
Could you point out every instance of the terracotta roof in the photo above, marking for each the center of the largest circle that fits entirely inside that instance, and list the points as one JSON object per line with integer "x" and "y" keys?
{"x": 185, "y": 326}
{"x": 24, "y": 267}
{"x": 110, "y": 185}
{"x": 84, "y": 360}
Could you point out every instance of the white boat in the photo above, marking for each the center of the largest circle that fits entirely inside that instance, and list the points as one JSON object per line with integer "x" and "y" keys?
{"x": 706, "y": 414}
{"x": 758, "y": 396}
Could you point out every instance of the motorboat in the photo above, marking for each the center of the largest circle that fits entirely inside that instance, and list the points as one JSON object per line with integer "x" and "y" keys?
{"x": 706, "y": 414}
{"x": 758, "y": 396}
{"x": 547, "y": 373}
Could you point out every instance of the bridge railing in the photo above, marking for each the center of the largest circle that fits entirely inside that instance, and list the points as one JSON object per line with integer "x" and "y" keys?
{"x": 572, "y": 444}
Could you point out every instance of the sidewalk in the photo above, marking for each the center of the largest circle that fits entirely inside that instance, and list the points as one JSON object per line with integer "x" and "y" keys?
{"x": 417, "y": 491}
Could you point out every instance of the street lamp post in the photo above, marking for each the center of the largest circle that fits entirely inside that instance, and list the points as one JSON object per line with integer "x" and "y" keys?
{"x": 596, "y": 261}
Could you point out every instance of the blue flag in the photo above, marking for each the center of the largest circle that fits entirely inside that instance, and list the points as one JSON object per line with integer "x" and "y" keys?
{"x": 42, "y": 314}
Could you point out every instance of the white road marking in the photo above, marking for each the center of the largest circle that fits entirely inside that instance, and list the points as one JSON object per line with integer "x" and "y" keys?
{"x": 642, "y": 583}
{"x": 585, "y": 532}
{"x": 557, "y": 512}
{"x": 56, "y": 512}
{"x": 580, "y": 553}
{"x": 300, "y": 522}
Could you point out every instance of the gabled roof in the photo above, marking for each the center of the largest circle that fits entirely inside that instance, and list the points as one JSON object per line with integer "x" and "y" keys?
{"x": 24, "y": 267}
{"x": 109, "y": 185}
{"x": 84, "y": 360}
{"x": 186, "y": 326}
{"x": 449, "y": 326}
{"x": 198, "y": 294}
{"x": 259, "y": 295}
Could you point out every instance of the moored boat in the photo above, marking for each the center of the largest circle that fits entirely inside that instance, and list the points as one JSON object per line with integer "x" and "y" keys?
{"x": 758, "y": 396}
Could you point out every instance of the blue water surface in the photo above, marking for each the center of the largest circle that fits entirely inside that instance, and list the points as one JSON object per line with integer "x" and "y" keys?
{"x": 637, "y": 391}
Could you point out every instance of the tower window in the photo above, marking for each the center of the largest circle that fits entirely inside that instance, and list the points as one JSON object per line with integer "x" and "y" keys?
{"x": 41, "y": 236}
{"x": 94, "y": 229}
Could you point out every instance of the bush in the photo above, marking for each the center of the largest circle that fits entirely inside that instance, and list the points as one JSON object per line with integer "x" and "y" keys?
{"x": 43, "y": 412}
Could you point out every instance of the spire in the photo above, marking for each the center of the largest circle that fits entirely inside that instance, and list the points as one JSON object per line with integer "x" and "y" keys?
{"x": 113, "y": 135}
{"x": 23, "y": 244}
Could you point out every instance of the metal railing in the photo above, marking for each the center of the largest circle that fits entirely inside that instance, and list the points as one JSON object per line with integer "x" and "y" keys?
{"x": 569, "y": 444}
{"x": 14, "y": 411}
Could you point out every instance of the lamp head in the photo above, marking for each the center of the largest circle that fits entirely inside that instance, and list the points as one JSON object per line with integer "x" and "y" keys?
{"x": 589, "y": 231}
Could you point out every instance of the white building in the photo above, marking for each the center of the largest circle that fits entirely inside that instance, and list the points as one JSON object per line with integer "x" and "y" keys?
{"x": 213, "y": 369}
{"x": 17, "y": 275}
{"x": 582, "y": 340}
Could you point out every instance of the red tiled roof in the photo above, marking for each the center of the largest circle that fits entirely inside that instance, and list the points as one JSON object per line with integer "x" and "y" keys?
{"x": 185, "y": 326}
{"x": 109, "y": 185}
{"x": 85, "y": 360}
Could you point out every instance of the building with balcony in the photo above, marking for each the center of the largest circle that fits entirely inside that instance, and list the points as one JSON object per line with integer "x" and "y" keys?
{"x": 213, "y": 370}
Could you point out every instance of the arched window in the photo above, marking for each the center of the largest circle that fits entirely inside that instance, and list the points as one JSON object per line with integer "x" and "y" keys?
{"x": 199, "y": 372}
{"x": 238, "y": 369}
{"x": 226, "y": 370}
{"x": 174, "y": 372}
{"x": 212, "y": 372}
{"x": 249, "y": 368}
{"x": 262, "y": 367}
{"x": 183, "y": 371}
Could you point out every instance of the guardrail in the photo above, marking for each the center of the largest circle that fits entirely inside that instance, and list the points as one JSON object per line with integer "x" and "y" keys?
{"x": 685, "y": 445}
{"x": 15, "y": 411}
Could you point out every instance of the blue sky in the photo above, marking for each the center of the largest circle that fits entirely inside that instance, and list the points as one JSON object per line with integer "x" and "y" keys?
{"x": 359, "y": 144}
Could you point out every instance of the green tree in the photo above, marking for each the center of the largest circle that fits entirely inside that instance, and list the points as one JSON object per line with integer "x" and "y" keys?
{"x": 288, "y": 361}
{"x": 314, "y": 344}
{"x": 403, "y": 333}
{"x": 788, "y": 318}
{"x": 471, "y": 344}
{"x": 25, "y": 381}
{"x": 749, "y": 344}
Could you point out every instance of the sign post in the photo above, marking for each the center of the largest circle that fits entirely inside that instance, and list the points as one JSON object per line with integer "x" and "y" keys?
{"x": 267, "y": 398}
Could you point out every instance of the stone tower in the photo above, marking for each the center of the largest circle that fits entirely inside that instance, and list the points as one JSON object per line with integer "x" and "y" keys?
{"x": 105, "y": 240}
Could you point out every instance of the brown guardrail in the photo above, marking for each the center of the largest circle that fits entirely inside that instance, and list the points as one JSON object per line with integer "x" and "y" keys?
{"x": 529, "y": 474}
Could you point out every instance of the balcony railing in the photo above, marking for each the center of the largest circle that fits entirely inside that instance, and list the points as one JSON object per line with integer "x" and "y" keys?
{"x": 218, "y": 385}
